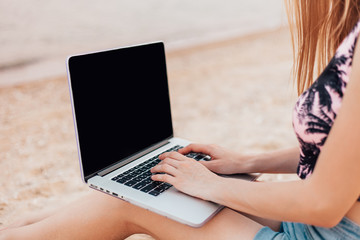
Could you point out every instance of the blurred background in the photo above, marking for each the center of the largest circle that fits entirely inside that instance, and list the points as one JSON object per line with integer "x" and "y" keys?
{"x": 36, "y": 36}
{"x": 228, "y": 63}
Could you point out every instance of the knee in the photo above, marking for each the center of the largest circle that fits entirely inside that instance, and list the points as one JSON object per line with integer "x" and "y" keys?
{"x": 107, "y": 202}
{"x": 7, "y": 235}
{"x": 120, "y": 212}
{"x": 114, "y": 208}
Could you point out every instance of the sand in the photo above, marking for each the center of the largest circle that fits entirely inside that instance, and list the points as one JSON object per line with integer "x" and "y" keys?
{"x": 237, "y": 93}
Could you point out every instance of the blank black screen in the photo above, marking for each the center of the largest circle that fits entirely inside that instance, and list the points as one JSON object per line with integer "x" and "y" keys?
{"x": 121, "y": 103}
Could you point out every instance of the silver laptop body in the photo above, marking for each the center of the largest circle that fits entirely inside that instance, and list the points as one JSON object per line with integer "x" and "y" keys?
{"x": 122, "y": 119}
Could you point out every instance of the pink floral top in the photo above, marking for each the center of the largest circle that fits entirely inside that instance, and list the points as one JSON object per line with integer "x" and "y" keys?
{"x": 316, "y": 109}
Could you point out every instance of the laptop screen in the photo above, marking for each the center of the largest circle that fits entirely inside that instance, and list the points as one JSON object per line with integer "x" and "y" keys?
{"x": 121, "y": 103}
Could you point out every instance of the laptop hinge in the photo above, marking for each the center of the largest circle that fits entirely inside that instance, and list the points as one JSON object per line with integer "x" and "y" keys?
{"x": 132, "y": 158}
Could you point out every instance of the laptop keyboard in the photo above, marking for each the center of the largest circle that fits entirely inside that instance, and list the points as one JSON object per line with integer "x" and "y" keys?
{"x": 139, "y": 177}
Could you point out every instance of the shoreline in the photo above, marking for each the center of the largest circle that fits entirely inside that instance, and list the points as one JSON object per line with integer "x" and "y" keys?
{"x": 23, "y": 71}
{"x": 53, "y": 32}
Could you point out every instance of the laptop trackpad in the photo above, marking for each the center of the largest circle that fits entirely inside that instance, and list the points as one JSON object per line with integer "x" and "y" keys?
{"x": 182, "y": 206}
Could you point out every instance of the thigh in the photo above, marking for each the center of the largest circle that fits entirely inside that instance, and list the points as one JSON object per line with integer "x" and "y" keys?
{"x": 99, "y": 216}
{"x": 227, "y": 224}
{"x": 272, "y": 224}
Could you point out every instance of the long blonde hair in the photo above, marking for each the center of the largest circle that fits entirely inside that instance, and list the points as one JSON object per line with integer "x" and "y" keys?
{"x": 317, "y": 29}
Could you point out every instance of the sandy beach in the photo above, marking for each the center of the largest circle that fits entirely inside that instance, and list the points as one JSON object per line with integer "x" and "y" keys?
{"x": 237, "y": 93}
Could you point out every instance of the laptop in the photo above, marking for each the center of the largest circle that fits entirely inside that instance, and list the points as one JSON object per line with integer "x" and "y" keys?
{"x": 122, "y": 117}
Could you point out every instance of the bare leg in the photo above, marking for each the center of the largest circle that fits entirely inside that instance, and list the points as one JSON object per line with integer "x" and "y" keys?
{"x": 99, "y": 216}
{"x": 273, "y": 224}
{"x": 32, "y": 218}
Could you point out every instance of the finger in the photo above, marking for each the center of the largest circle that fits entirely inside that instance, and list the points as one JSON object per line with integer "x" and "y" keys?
{"x": 164, "y": 168}
{"x": 207, "y": 164}
{"x": 194, "y": 147}
{"x": 173, "y": 155}
{"x": 163, "y": 178}
{"x": 171, "y": 162}
{"x": 211, "y": 165}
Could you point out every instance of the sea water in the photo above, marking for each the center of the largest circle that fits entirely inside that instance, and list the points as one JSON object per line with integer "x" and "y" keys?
{"x": 36, "y": 36}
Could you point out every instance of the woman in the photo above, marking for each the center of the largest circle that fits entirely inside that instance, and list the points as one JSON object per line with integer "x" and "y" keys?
{"x": 325, "y": 204}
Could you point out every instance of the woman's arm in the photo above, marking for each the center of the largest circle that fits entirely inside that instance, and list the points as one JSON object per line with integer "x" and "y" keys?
{"x": 322, "y": 199}
{"x": 280, "y": 161}
{"x": 326, "y": 196}
{"x": 227, "y": 162}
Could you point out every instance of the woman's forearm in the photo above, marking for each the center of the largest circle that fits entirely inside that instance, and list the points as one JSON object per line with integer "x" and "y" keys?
{"x": 281, "y": 161}
{"x": 293, "y": 201}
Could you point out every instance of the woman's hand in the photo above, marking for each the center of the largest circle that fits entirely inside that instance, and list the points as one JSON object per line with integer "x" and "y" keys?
{"x": 222, "y": 161}
{"x": 186, "y": 174}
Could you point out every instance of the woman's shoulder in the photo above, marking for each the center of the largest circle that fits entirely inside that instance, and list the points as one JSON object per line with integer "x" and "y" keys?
{"x": 343, "y": 58}
{"x": 347, "y": 47}
{"x": 315, "y": 111}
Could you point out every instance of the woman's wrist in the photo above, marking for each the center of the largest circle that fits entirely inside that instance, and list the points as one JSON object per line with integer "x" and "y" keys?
{"x": 217, "y": 187}
{"x": 247, "y": 163}
{"x": 280, "y": 161}
{"x": 257, "y": 163}
{"x": 224, "y": 191}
